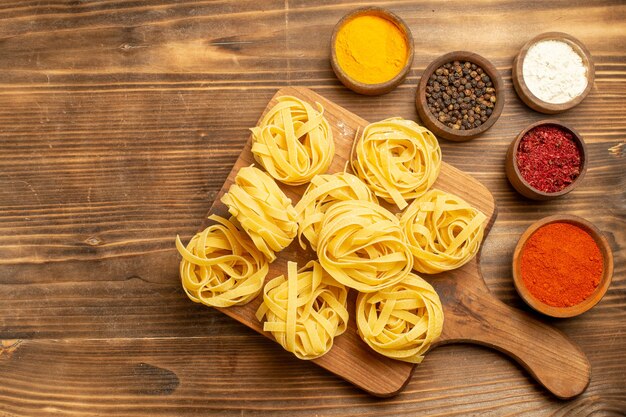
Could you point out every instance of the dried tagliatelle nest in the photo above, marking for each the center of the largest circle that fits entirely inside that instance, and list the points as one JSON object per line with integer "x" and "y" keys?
{"x": 398, "y": 159}
{"x": 442, "y": 231}
{"x": 293, "y": 141}
{"x": 361, "y": 245}
{"x": 323, "y": 191}
{"x": 305, "y": 311}
{"x": 263, "y": 210}
{"x": 221, "y": 267}
{"x": 402, "y": 321}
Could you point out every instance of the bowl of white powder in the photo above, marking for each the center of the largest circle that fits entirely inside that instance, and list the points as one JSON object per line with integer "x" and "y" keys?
{"x": 553, "y": 72}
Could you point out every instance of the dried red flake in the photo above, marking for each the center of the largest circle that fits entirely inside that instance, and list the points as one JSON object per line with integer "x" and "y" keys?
{"x": 548, "y": 158}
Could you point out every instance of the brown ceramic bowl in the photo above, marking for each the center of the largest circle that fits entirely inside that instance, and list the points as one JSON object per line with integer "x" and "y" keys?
{"x": 524, "y": 92}
{"x": 594, "y": 298}
{"x": 432, "y": 123}
{"x": 380, "y": 88}
{"x": 519, "y": 183}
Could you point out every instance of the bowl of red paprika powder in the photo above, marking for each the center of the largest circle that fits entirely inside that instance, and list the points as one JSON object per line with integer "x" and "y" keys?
{"x": 562, "y": 266}
{"x": 547, "y": 160}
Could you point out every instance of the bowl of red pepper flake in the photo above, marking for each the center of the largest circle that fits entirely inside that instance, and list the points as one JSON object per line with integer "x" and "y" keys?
{"x": 562, "y": 266}
{"x": 546, "y": 160}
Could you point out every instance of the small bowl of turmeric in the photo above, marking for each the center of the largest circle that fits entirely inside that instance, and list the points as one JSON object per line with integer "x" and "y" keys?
{"x": 371, "y": 50}
{"x": 562, "y": 266}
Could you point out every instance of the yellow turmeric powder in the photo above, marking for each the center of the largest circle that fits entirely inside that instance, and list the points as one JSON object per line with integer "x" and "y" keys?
{"x": 371, "y": 49}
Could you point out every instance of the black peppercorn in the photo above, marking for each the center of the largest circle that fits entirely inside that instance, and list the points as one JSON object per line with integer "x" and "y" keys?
{"x": 460, "y": 95}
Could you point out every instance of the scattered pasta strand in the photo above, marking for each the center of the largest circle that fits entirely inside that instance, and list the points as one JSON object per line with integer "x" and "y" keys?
{"x": 443, "y": 231}
{"x": 361, "y": 245}
{"x": 293, "y": 142}
{"x": 398, "y": 159}
{"x": 221, "y": 267}
{"x": 402, "y": 321}
{"x": 305, "y": 311}
{"x": 324, "y": 191}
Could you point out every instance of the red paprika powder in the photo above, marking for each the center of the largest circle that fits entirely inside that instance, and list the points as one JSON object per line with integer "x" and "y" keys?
{"x": 548, "y": 158}
{"x": 561, "y": 264}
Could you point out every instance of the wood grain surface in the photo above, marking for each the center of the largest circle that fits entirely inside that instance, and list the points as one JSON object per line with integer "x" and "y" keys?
{"x": 120, "y": 122}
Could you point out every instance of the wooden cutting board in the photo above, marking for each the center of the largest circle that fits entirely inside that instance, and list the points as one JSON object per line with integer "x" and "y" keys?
{"x": 472, "y": 314}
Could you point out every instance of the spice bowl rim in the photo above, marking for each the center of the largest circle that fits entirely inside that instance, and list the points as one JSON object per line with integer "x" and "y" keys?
{"x": 379, "y": 88}
{"x": 429, "y": 119}
{"x": 521, "y": 88}
{"x": 589, "y": 302}
{"x": 515, "y": 176}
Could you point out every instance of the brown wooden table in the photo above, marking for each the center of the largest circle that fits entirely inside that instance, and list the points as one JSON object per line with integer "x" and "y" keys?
{"x": 119, "y": 123}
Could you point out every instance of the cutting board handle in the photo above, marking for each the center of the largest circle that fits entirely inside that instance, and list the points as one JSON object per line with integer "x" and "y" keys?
{"x": 550, "y": 356}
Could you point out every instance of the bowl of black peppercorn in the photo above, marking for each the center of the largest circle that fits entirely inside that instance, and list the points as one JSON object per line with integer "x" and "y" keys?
{"x": 460, "y": 96}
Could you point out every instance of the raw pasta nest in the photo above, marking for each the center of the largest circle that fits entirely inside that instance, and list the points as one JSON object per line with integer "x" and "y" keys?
{"x": 294, "y": 142}
{"x": 305, "y": 311}
{"x": 221, "y": 267}
{"x": 323, "y": 192}
{"x": 443, "y": 231}
{"x": 362, "y": 246}
{"x": 398, "y": 159}
{"x": 401, "y": 322}
{"x": 263, "y": 210}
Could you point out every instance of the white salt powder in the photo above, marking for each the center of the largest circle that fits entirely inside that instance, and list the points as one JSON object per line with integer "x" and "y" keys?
{"x": 554, "y": 72}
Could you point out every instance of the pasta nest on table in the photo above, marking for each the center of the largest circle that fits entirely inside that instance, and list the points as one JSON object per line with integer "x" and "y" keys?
{"x": 361, "y": 245}
{"x": 402, "y": 321}
{"x": 443, "y": 231}
{"x": 221, "y": 267}
{"x": 293, "y": 141}
{"x": 305, "y": 311}
{"x": 323, "y": 192}
{"x": 263, "y": 210}
{"x": 398, "y": 159}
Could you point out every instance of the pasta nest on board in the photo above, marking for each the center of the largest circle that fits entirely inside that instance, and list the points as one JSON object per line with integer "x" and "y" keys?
{"x": 402, "y": 321}
{"x": 322, "y": 193}
{"x": 305, "y": 311}
{"x": 398, "y": 159}
{"x": 442, "y": 231}
{"x": 293, "y": 141}
{"x": 263, "y": 210}
{"x": 221, "y": 267}
{"x": 361, "y": 245}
